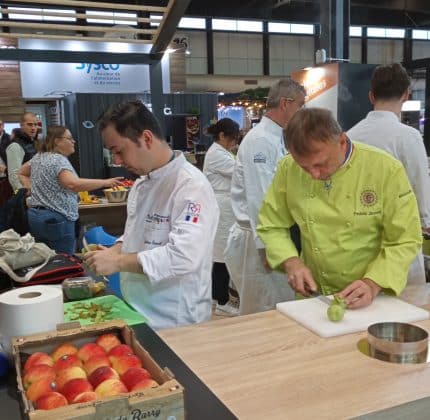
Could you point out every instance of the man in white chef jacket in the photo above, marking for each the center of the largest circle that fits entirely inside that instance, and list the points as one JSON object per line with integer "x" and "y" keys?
{"x": 259, "y": 288}
{"x": 165, "y": 253}
{"x": 390, "y": 88}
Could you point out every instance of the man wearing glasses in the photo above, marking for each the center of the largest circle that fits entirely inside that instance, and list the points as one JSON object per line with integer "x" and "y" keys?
{"x": 22, "y": 148}
{"x": 259, "y": 288}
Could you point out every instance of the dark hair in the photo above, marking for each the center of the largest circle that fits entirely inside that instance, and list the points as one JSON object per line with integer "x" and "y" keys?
{"x": 54, "y": 132}
{"x": 227, "y": 126}
{"x": 286, "y": 87}
{"x": 389, "y": 82}
{"x": 130, "y": 119}
{"x": 310, "y": 124}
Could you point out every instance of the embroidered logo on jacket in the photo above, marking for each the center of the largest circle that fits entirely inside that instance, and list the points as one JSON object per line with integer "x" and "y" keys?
{"x": 157, "y": 218}
{"x": 260, "y": 158}
{"x": 368, "y": 198}
{"x": 193, "y": 212}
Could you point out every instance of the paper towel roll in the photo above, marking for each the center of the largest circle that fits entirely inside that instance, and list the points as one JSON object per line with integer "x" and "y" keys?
{"x": 29, "y": 310}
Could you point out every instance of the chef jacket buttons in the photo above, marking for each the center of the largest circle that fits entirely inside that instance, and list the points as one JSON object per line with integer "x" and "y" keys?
{"x": 316, "y": 250}
{"x": 348, "y": 224}
{"x": 311, "y": 222}
{"x": 324, "y": 274}
{"x": 343, "y": 273}
{"x": 311, "y": 195}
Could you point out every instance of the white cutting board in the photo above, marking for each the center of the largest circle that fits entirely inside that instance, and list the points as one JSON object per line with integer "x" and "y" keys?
{"x": 312, "y": 314}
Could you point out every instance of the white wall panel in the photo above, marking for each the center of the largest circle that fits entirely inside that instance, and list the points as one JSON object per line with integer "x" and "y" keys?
{"x": 420, "y": 49}
{"x": 384, "y": 51}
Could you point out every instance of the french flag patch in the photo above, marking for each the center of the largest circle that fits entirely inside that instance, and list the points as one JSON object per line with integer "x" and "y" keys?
{"x": 193, "y": 212}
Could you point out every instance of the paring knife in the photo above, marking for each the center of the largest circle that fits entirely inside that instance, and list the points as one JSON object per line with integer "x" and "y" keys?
{"x": 321, "y": 297}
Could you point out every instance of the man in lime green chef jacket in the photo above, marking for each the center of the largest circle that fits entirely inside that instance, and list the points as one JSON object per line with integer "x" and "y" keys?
{"x": 357, "y": 214}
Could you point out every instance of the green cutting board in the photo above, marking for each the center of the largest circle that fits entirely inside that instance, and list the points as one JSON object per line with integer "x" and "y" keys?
{"x": 120, "y": 310}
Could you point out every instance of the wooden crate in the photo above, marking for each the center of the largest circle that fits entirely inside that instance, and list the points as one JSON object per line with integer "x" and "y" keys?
{"x": 163, "y": 402}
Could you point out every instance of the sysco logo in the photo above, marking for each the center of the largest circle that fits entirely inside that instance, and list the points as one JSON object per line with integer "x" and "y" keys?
{"x": 88, "y": 67}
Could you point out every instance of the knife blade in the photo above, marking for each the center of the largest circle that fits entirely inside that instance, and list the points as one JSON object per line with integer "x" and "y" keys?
{"x": 321, "y": 297}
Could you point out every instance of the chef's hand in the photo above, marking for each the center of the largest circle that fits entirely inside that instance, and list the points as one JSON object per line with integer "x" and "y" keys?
{"x": 360, "y": 293}
{"x": 103, "y": 261}
{"x": 299, "y": 276}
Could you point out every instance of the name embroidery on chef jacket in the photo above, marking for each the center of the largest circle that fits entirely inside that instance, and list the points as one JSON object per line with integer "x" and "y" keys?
{"x": 193, "y": 212}
{"x": 157, "y": 218}
{"x": 260, "y": 158}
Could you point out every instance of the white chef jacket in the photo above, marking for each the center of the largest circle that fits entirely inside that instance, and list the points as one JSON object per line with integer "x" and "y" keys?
{"x": 256, "y": 161}
{"x": 218, "y": 168}
{"x": 383, "y": 129}
{"x": 172, "y": 216}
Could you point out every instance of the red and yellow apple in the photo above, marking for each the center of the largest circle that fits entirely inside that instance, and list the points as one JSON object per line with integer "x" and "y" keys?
{"x": 39, "y": 388}
{"x": 74, "y": 387}
{"x": 121, "y": 350}
{"x": 144, "y": 384}
{"x": 85, "y": 397}
{"x": 50, "y": 401}
{"x": 111, "y": 387}
{"x": 62, "y": 350}
{"x": 68, "y": 374}
{"x": 38, "y": 358}
{"x": 108, "y": 341}
{"x": 122, "y": 363}
{"x": 101, "y": 374}
{"x": 95, "y": 362}
{"x": 36, "y": 373}
{"x": 90, "y": 350}
{"x": 134, "y": 375}
{"x": 67, "y": 361}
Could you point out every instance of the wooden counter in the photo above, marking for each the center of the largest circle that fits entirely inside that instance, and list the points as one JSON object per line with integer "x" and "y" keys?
{"x": 267, "y": 366}
{"x": 111, "y": 216}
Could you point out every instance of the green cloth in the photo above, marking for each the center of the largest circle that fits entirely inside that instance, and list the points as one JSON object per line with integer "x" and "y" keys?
{"x": 363, "y": 224}
{"x": 120, "y": 310}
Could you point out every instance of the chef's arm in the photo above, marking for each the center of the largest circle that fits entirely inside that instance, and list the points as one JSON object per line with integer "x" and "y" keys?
{"x": 401, "y": 235}
{"x": 275, "y": 221}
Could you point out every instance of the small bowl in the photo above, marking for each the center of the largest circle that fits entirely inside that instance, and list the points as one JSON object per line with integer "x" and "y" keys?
{"x": 115, "y": 196}
{"x": 399, "y": 341}
{"x": 77, "y": 288}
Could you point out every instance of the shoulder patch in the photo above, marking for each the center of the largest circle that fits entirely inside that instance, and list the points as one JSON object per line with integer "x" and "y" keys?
{"x": 260, "y": 158}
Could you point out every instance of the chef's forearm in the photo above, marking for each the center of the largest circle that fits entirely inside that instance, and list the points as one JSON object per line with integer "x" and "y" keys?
{"x": 129, "y": 263}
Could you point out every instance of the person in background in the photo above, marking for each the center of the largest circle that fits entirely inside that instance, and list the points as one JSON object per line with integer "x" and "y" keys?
{"x": 218, "y": 167}
{"x": 390, "y": 88}
{"x": 5, "y": 188}
{"x": 165, "y": 254}
{"x": 355, "y": 207}
{"x": 54, "y": 185}
{"x": 259, "y": 152}
{"x": 22, "y": 148}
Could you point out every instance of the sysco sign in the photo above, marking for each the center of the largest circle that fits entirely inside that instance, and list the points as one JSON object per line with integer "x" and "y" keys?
{"x": 88, "y": 67}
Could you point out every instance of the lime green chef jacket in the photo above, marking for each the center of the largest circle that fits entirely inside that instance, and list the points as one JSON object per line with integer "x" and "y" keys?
{"x": 363, "y": 223}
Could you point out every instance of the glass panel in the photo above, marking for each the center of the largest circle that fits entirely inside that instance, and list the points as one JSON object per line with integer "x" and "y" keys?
{"x": 194, "y": 23}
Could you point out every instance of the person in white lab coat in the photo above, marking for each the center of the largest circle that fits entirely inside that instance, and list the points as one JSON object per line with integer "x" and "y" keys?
{"x": 390, "y": 88}
{"x": 218, "y": 167}
{"x": 259, "y": 288}
{"x": 165, "y": 253}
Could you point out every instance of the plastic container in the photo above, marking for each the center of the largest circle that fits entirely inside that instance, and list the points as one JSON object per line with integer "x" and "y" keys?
{"x": 78, "y": 288}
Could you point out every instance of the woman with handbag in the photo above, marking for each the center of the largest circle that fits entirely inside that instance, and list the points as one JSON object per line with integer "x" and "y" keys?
{"x": 54, "y": 184}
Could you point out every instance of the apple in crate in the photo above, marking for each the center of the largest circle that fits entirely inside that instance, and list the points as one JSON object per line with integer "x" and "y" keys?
{"x": 85, "y": 397}
{"x": 39, "y": 388}
{"x": 108, "y": 341}
{"x": 50, "y": 401}
{"x": 122, "y": 363}
{"x": 101, "y": 374}
{"x": 67, "y": 361}
{"x": 144, "y": 384}
{"x": 133, "y": 376}
{"x": 68, "y": 374}
{"x": 90, "y": 350}
{"x": 74, "y": 387}
{"x": 38, "y": 358}
{"x": 63, "y": 350}
{"x": 111, "y": 387}
{"x": 36, "y": 373}
{"x": 95, "y": 362}
{"x": 121, "y": 350}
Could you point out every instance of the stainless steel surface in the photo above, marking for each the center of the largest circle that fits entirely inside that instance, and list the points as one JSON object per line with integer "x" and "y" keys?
{"x": 115, "y": 196}
{"x": 321, "y": 297}
{"x": 397, "y": 342}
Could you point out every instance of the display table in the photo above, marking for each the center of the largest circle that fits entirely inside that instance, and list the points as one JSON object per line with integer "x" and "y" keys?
{"x": 267, "y": 366}
{"x": 111, "y": 216}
